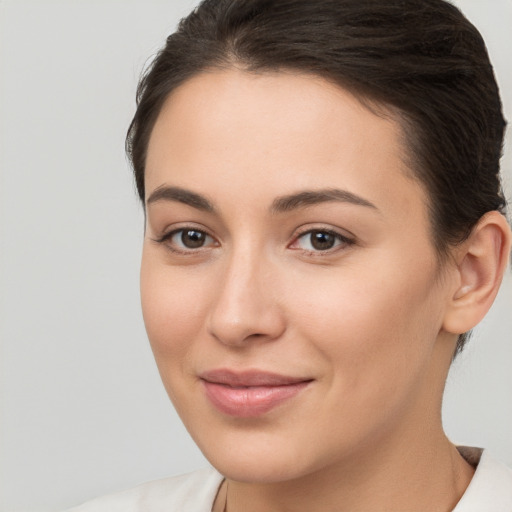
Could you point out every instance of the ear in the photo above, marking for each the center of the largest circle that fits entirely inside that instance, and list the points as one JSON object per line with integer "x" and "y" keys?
{"x": 481, "y": 262}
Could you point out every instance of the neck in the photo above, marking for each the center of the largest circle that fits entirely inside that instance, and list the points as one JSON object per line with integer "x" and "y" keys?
{"x": 421, "y": 479}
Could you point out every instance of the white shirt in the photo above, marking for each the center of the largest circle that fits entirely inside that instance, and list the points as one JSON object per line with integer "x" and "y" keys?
{"x": 490, "y": 490}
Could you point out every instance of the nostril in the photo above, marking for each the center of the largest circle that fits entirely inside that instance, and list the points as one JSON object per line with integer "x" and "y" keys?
{"x": 260, "y": 328}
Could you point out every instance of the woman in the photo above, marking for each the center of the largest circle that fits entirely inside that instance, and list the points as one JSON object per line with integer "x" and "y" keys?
{"x": 324, "y": 226}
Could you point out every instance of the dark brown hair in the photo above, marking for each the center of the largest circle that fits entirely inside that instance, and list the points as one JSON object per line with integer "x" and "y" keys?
{"x": 421, "y": 59}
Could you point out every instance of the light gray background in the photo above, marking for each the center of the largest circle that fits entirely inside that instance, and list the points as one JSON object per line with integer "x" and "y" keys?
{"x": 82, "y": 408}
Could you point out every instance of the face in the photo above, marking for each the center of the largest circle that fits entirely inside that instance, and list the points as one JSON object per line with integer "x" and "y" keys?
{"x": 290, "y": 287}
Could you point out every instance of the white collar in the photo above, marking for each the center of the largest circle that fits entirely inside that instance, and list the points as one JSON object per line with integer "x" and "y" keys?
{"x": 490, "y": 489}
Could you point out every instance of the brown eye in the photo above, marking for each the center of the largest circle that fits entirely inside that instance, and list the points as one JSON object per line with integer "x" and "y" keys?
{"x": 193, "y": 239}
{"x": 318, "y": 240}
{"x": 187, "y": 240}
{"x": 321, "y": 241}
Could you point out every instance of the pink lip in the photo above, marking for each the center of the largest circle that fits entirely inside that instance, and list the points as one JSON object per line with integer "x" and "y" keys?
{"x": 251, "y": 393}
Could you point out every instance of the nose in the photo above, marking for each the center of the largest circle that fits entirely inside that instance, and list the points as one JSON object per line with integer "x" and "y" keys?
{"x": 246, "y": 304}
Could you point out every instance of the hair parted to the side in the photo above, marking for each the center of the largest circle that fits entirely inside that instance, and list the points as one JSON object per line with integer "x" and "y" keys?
{"x": 419, "y": 58}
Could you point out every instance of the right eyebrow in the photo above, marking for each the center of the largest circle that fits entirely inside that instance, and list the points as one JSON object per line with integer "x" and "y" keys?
{"x": 180, "y": 195}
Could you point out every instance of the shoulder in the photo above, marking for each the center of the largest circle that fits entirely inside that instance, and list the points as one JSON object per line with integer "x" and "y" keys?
{"x": 193, "y": 492}
{"x": 490, "y": 489}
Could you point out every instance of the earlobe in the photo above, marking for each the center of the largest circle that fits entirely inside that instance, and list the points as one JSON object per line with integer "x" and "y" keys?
{"x": 481, "y": 263}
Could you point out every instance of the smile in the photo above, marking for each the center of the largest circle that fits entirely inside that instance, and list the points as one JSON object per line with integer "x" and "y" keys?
{"x": 249, "y": 394}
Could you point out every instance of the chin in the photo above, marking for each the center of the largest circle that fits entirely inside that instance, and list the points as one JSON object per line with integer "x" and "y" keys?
{"x": 269, "y": 471}
{"x": 257, "y": 456}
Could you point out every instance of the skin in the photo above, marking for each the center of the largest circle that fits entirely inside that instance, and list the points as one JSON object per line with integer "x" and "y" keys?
{"x": 365, "y": 320}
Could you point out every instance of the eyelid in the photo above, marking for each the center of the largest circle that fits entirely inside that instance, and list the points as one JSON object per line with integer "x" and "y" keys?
{"x": 168, "y": 234}
{"x": 346, "y": 240}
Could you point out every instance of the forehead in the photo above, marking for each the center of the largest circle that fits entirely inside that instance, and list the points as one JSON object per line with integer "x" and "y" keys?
{"x": 282, "y": 129}
{"x": 288, "y": 103}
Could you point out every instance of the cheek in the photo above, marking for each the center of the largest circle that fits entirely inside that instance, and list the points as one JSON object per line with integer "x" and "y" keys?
{"x": 370, "y": 321}
{"x": 172, "y": 309}
{"x": 374, "y": 337}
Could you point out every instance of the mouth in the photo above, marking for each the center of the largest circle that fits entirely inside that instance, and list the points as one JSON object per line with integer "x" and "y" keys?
{"x": 251, "y": 393}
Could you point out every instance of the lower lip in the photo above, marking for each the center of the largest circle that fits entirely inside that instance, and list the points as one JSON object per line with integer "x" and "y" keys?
{"x": 252, "y": 401}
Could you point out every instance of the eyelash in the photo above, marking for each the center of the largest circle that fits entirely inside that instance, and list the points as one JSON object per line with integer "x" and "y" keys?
{"x": 341, "y": 239}
{"x": 168, "y": 236}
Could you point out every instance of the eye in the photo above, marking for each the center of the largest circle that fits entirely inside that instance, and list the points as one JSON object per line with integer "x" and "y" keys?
{"x": 186, "y": 239}
{"x": 318, "y": 240}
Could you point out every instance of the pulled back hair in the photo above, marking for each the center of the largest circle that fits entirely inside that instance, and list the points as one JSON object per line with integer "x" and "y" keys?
{"x": 421, "y": 59}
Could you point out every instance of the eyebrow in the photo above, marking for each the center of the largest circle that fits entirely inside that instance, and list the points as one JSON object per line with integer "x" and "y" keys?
{"x": 312, "y": 197}
{"x": 180, "y": 195}
{"x": 282, "y": 204}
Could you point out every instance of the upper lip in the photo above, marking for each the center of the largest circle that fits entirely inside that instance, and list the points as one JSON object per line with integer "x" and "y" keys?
{"x": 249, "y": 378}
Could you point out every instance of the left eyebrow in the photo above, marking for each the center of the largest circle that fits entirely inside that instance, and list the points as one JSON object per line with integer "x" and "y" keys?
{"x": 307, "y": 198}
